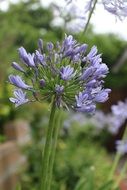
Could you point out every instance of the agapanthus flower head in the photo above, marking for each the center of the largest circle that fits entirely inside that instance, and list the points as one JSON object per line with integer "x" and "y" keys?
{"x": 59, "y": 73}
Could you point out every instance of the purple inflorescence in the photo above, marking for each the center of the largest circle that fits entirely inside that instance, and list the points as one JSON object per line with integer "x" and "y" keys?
{"x": 66, "y": 72}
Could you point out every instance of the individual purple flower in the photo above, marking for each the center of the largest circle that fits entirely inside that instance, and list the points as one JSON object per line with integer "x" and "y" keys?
{"x": 39, "y": 58}
{"x": 84, "y": 104}
{"x": 66, "y": 73}
{"x": 20, "y": 98}
{"x": 83, "y": 48}
{"x": 102, "y": 96}
{"x": 68, "y": 41}
{"x": 50, "y": 46}
{"x": 80, "y": 49}
{"x": 101, "y": 71}
{"x": 88, "y": 72}
{"x": 76, "y": 58}
{"x": 59, "y": 89}
{"x": 96, "y": 60}
{"x": 30, "y": 60}
{"x": 88, "y": 108}
{"x": 92, "y": 53}
{"x": 42, "y": 82}
{"x": 23, "y": 54}
{"x": 121, "y": 146}
{"x": 81, "y": 99}
{"x": 40, "y": 45}
{"x": 17, "y": 81}
{"x": 17, "y": 67}
{"x": 68, "y": 45}
{"x": 91, "y": 83}
{"x": 27, "y": 58}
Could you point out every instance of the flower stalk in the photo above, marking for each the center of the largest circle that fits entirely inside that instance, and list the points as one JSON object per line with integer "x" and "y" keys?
{"x": 47, "y": 150}
{"x": 54, "y": 145}
{"x": 89, "y": 17}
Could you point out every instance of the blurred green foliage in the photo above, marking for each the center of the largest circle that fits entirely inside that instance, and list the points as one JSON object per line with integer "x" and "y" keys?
{"x": 22, "y": 25}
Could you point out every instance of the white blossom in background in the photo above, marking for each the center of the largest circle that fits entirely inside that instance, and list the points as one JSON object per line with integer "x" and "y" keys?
{"x": 72, "y": 16}
{"x": 78, "y": 11}
{"x": 116, "y": 7}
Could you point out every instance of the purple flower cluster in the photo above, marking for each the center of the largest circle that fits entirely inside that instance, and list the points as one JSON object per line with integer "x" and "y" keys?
{"x": 64, "y": 71}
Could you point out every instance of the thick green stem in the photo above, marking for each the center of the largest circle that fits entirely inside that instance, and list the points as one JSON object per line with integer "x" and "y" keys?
{"x": 47, "y": 150}
{"x": 89, "y": 17}
{"x": 54, "y": 145}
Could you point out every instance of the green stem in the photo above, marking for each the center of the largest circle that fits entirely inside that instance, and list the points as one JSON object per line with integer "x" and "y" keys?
{"x": 47, "y": 149}
{"x": 89, "y": 17}
{"x": 54, "y": 145}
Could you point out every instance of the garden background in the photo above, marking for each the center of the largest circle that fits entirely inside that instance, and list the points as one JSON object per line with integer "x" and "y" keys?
{"x": 84, "y": 151}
